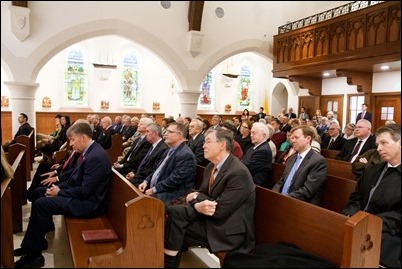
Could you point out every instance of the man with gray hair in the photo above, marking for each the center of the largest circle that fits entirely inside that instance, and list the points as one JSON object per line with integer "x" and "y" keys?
{"x": 83, "y": 195}
{"x": 334, "y": 140}
{"x": 258, "y": 158}
{"x": 196, "y": 141}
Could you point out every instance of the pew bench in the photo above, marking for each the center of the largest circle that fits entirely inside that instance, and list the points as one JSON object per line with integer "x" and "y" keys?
{"x": 346, "y": 242}
{"x": 29, "y": 142}
{"x": 116, "y": 149}
{"x": 7, "y": 242}
{"x": 340, "y": 168}
{"x": 329, "y": 153}
{"x": 138, "y": 221}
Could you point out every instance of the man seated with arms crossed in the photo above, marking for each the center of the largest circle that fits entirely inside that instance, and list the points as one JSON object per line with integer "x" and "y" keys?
{"x": 305, "y": 172}
{"x": 220, "y": 215}
{"x": 378, "y": 191}
{"x": 83, "y": 195}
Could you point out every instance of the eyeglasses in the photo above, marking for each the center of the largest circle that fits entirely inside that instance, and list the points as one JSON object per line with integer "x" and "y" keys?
{"x": 245, "y": 127}
{"x": 172, "y": 132}
{"x": 210, "y": 142}
{"x": 360, "y": 127}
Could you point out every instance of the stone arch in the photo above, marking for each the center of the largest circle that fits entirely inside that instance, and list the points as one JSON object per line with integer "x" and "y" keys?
{"x": 284, "y": 94}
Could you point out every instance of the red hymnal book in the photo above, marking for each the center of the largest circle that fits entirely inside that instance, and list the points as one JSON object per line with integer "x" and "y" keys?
{"x": 99, "y": 236}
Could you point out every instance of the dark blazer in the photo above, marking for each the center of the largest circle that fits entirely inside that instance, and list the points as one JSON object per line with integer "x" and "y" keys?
{"x": 24, "y": 129}
{"x": 177, "y": 176}
{"x": 196, "y": 147}
{"x": 337, "y": 145}
{"x": 136, "y": 154}
{"x": 96, "y": 131}
{"x": 150, "y": 163}
{"x": 259, "y": 163}
{"x": 286, "y": 128}
{"x": 105, "y": 138}
{"x": 385, "y": 203}
{"x": 291, "y": 116}
{"x": 349, "y": 145}
{"x": 232, "y": 225}
{"x": 367, "y": 116}
{"x": 128, "y": 131}
{"x": 86, "y": 189}
{"x": 308, "y": 182}
{"x": 259, "y": 116}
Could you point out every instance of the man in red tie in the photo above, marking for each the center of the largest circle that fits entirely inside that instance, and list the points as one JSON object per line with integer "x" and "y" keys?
{"x": 226, "y": 197}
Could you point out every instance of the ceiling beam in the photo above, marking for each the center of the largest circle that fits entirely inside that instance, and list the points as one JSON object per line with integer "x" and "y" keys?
{"x": 20, "y": 3}
{"x": 195, "y": 15}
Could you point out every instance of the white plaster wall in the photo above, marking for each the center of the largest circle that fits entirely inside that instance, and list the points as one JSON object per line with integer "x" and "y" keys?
{"x": 387, "y": 82}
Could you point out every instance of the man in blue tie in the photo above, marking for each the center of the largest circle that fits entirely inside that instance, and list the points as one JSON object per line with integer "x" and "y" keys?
{"x": 305, "y": 172}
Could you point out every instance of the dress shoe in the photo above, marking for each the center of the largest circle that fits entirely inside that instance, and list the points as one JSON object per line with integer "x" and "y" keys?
{"x": 23, "y": 251}
{"x": 30, "y": 261}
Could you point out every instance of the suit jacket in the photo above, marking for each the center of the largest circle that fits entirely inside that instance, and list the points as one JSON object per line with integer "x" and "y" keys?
{"x": 259, "y": 116}
{"x": 286, "y": 128}
{"x": 87, "y": 187}
{"x": 367, "y": 116}
{"x": 177, "y": 176}
{"x": 151, "y": 163}
{"x": 308, "y": 182}
{"x": 372, "y": 156}
{"x": 347, "y": 149}
{"x": 105, "y": 138}
{"x": 232, "y": 225}
{"x": 196, "y": 147}
{"x": 24, "y": 129}
{"x": 136, "y": 154}
{"x": 259, "y": 163}
{"x": 96, "y": 132}
{"x": 290, "y": 116}
{"x": 337, "y": 145}
{"x": 385, "y": 203}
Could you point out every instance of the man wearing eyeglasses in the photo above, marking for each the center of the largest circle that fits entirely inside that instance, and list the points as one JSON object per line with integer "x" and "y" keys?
{"x": 220, "y": 215}
{"x": 362, "y": 142}
{"x": 334, "y": 140}
{"x": 175, "y": 174}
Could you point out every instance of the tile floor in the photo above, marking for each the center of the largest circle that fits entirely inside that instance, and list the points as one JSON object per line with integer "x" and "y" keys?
{"x": 58, "y": 254}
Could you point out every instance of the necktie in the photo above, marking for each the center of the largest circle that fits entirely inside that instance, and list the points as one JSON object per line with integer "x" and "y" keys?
{"x": 355, "y": 151}
{"x": 363, "y": 114}
{"x": 145, "y": 159}
{"x": 67, "y": 162}
{"x": 290, "y": 176}
{"x": 376, "y": 185}
{"x": 211, "y": 179}
{"x": 133, "y": 148}
{"x": 330, "y": 143}
{"x": 155, "y": 175}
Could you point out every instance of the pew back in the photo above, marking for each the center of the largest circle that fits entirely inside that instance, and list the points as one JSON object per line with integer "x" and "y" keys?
{"x": 336, "y": 193}
{"x": 29, "y": 142}
{"x": 116, "y": 149}
{"x": 329, "y": 153}
{"x": 7, "y": 242}
{"x": 330, "y": 235}
{"x": 340, "y": 168}
{"x": 138, "y": 221}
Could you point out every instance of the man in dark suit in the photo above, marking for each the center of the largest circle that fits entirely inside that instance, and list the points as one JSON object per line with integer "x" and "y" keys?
{"x": 378, "y": 192}
{"x": 82, "y": 195}
{"x": 258, "y": 158}
{"x": 24, "y": 129}
{"x": 260, "y": 115}
{"x": 221, "y": 214}
{"x": 333, "y": 140}
{"x": 303, "y": 179}
{"x": 175, "y": 175}
{"x": 137, "y": 152}
{"x": 362, "y": 142}
{"x": 364, "y": 114}
{"x": 290, "y": 114}
{"x": 152, "y": 158}
{"x": 105, "y": 137}
{"x": 196, "y": 141}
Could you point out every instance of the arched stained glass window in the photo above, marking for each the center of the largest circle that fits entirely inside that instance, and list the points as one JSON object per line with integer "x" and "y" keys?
{"x": 130, "y": 88}
{"x": 244, "y": 93}
{"x": 207, "y": 89}
{"x": 75, "y": 79}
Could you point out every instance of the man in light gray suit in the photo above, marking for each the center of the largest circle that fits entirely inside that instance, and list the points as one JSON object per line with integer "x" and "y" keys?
{"x": 305, "y": 172}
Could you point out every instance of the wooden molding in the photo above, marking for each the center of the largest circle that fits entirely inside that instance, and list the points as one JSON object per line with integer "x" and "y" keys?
{"x": 314, "y": 85}
{"x": 363, "y": 80}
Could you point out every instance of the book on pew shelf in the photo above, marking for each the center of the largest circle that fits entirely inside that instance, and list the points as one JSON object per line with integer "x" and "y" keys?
{"x": 99, "y": 236}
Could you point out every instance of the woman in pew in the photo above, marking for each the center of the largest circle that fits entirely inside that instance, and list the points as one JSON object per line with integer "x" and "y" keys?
{"x": 378, "y": 192}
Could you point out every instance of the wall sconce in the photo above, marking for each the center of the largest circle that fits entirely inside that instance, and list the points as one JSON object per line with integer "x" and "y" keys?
{"x": 104, "y": 104}
{"x": 228, "y": 108}
{"x": 46, "y": 102}
{"x": 4, "y": 101}
{"x": 156, "y": 106}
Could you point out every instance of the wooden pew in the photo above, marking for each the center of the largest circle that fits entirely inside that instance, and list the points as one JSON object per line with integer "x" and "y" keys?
{"x": 61, "y": 154}
{"x": 16, "y": 156}
{"x": 29, "y": 142}
{"x": 329, "y": 153}
{"x": 199, "y": 176}
{"x": 340, "y": 169}
{"x": 346, "y": 242}
{"x": 116, "y": 149}
{"x": 138, "y": 221}
{"x": 7, "y": 243}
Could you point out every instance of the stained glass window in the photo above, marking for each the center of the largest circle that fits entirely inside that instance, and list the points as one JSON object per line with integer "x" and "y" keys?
{"x": 244, "y": 93}
{"x": 207, "y": 89}
{"x": 130, "y": 88}
{"x": 75, "y": 79}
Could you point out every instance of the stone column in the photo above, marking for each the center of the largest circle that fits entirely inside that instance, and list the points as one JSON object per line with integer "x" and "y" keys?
{"x": 189, "y": 102}
{"x": 22, "y": 97}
